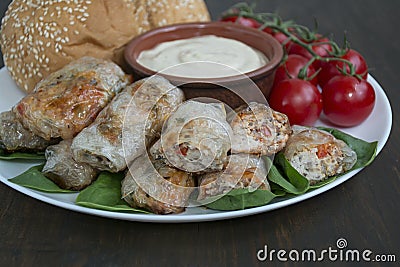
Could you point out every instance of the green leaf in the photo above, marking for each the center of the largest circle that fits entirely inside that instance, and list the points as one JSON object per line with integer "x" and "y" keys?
{"x": 239, "y": 199}
{"x": 295, "y": 183}
{"x": 325, "y": 182}
{"x": 33, "y": 178}
{"x": 20, "y": 155}
{"x": 105, "y": 194}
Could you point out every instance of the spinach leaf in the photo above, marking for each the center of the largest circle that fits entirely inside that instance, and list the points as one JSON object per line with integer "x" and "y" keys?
{"x": 20, "y": 155}
{"x": 33, "y": 178}
{"x": 239, "y": 199}
{"x": 291, "y": 181}
{"x": 105, "y": 194}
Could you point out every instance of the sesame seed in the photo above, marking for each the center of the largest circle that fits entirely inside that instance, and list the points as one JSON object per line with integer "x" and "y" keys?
{"x": 38, "y": 34}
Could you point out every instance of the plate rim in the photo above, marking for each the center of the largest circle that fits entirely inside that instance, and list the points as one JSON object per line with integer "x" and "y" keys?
{"x": 215, "y": 215}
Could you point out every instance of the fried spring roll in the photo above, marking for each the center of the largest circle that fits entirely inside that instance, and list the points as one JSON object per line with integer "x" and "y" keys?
{"x": 153, "y": 185}
{"x": 14, "y": 137}
{"x": 196, "y": 137}
{"x": 317, "y": 154}
{"x": 62, "y": 169}
{"x": 128, "y": 125}
{"x": 69, "y": 99}
{"x": 242, "y": 171}
{"x": 257, "y": 129}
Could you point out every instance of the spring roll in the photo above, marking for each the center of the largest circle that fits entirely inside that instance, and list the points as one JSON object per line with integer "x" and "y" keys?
{"x": 258, "y": 129}
{"x": 153, "y": 185}
{"x": 242, "y": 171}
{"x": 63, "y": 170}
{"x": 14, "y": 137}
{"x": 128, "y": 125}
{"x": 196, "y": 137}
{"x": 69, "y": 99}
{"x": 317, "y": 154}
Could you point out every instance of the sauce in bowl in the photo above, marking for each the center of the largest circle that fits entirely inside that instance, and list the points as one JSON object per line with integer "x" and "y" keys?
{"x": 209, "y": 57}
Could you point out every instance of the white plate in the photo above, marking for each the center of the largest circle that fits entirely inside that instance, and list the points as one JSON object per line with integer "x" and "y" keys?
{"x": 376, "y": 128}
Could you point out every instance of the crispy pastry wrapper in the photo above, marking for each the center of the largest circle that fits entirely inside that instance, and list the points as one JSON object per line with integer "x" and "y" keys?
{"x": 196, "y": 137}
{"x": 69, "y": 99}
{"x": 317, "y": 154}
{"x": 14, "y": 137}
{"x": 242, "y": 171}
{"x": 258, "y": 129}
{"x": 128, "y": 125}
{"x": 63, "y": 170}
{"x": 153, "y": 185}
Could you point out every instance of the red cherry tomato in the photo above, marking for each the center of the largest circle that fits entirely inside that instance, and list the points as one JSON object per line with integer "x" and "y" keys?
{"x": 291, "y": 67}
{"x": 300, "y": 100}
{"x": 249, "y": 22}
{"x": 320, "y": 49}
{"x": 279, "y": 36}
{"x": 330, "y": 69}
{"x": 347, "y": 100}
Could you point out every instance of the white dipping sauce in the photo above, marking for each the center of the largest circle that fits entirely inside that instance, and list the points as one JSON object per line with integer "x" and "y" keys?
{"x": 232, "y": 57}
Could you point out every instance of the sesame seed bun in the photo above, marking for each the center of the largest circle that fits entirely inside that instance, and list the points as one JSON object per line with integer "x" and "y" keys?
{"x": 40, "y": 37}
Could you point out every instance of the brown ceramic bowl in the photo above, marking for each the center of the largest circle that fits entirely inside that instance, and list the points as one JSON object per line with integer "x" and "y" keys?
{"x": 232, "y": 90}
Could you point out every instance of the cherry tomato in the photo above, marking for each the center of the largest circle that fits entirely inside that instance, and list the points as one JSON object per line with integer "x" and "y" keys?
{"x": 300, "y": 100}
{"x": 330, "y": 69}
{"x": 249, "y": 22}
{"x": 347, "y": 100}
{"x": 279, "y": 36}
{"x": 320, "y": 49}
{"x": 291, "y": 67}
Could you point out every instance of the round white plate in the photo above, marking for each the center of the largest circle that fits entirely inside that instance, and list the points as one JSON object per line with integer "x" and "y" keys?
{"x": 376, "y": 128}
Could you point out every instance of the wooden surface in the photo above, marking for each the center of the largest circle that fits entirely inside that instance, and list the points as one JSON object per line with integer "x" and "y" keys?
{"x": 364, "y": 210}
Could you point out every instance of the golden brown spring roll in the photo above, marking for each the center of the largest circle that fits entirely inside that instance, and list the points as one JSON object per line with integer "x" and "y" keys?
{"x": 69, "y": 99}
{"x": 128, "y": 125}
{"x": 317, "y": 154}
{"x": 196, "y": 137}
{"x": 153, "y": 185}
{"x": 62, "y": 169}
{"x": 242, "y": 171}
{"x": 14, "y": 137}
{"x": 258, "y": 129}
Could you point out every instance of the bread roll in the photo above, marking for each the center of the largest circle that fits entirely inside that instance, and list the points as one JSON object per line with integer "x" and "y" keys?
{"x": 40, "y": 37}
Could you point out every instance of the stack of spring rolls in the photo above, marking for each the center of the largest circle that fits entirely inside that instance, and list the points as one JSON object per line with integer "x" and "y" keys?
{"x": 89, "y": 117}
{"x": 222, "y": 152}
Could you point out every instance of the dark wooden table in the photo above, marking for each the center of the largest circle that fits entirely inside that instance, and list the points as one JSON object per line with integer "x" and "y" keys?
{"x": 364, "y": 210}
